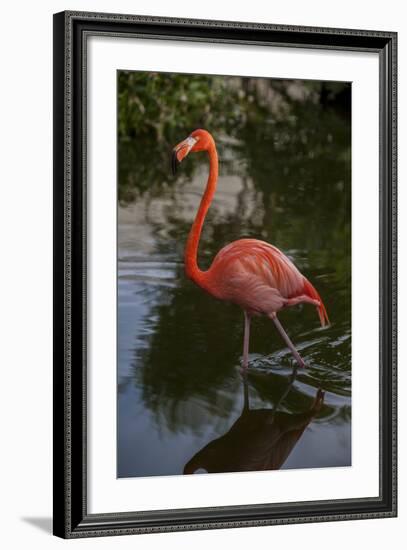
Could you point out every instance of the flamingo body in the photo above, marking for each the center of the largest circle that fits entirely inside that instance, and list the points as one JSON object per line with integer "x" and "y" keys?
{"x": 253, "y": 274}
{"x": 259, "y": 278}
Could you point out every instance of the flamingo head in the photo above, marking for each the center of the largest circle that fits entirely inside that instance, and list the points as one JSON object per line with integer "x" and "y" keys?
{"x": 198, "y": 140}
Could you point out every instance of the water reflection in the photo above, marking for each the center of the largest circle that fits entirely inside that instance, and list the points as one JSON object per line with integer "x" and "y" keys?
{"x": 260, "y": 439}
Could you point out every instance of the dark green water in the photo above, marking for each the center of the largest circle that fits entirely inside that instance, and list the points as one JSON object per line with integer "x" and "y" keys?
{"x": 182, "y": 402}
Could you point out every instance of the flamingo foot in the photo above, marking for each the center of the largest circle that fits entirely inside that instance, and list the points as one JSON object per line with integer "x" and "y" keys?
{"x": 318, "y": 401}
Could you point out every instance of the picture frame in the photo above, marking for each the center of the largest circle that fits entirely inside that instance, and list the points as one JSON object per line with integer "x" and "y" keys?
{"x": 72, "y": 518}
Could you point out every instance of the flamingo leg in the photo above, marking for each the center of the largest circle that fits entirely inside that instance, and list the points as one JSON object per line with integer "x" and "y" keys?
{"x": 246, "y": 340}
{"x": 287, "y": 340}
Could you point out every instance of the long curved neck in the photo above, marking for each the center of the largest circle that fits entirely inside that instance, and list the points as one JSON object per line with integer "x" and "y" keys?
{"x": 191, "y": 250}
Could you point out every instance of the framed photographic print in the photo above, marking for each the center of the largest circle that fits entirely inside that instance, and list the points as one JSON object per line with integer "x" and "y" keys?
{"x": 224, "y": 274}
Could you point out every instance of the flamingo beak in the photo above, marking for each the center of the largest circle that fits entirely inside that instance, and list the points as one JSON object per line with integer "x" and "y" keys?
{"x": 180, "y": 151}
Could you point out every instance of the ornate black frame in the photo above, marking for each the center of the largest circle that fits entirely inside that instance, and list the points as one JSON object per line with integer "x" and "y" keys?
{"x": 71, "y": 519}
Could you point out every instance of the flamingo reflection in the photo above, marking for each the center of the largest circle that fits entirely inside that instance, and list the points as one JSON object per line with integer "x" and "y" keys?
{"x": 260, "y": 439}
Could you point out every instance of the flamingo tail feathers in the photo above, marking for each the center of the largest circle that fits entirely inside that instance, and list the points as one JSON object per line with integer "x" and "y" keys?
{"x": 310, "y": 291}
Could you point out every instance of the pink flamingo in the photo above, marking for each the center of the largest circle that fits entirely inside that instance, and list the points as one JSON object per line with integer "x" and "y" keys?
{"x": 253, "y": 274}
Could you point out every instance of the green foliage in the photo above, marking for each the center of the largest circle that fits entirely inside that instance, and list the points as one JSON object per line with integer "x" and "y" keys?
{"x": 157, "y": 110}
{"x": 157, "y": 105}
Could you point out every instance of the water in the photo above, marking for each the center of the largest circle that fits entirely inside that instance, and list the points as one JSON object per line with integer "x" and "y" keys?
{"x": 183, "y": 405}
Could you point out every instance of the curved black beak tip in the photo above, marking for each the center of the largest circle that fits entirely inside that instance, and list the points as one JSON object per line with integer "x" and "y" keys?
{"x": 174, "y": 162}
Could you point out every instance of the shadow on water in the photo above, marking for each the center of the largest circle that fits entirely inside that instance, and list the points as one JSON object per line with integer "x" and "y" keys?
{"x": 284, "y": 178}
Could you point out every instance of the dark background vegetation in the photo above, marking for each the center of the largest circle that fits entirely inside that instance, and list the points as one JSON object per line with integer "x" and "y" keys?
{"x": 156, "y": 110}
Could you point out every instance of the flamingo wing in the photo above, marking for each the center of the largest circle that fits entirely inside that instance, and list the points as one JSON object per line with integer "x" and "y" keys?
{"x": 260, "y": 278}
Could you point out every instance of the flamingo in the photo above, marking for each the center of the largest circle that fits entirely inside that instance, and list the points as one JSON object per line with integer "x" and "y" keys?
{"x": 251, "y": 273}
